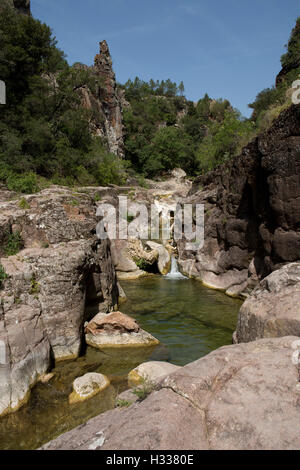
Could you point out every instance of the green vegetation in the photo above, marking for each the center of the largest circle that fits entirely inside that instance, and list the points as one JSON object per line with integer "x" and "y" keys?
{"x": 3, "y": 275}
{"x": 120, "y": 403}
{"x": 142, "y": 264}
{"x": 144, "y": 389}
{"x": 164, "y": 130}
{"x": 13, "y": 243}
{"x": 34, "y": 286}
{"x": 271, "y": 101}
{"x": 291, "y": 59}
{"x": 24, "y": 204}
{"x": 44, "y": 130}
{"x": 45, "y": 133}
{"x": 130, "y": 218}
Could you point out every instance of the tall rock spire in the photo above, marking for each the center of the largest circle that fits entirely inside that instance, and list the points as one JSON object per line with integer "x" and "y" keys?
{"x": 110, "y": 99}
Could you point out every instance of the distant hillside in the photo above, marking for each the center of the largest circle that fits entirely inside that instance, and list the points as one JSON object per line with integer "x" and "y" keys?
{"x": 164, "y": 130}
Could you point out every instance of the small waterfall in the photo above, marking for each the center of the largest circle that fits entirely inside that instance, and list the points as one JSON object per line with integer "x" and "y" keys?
{"x": 174, "y": 272}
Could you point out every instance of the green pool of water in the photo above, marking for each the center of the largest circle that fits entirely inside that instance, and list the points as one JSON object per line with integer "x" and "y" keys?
{"x": 188, "y": 319}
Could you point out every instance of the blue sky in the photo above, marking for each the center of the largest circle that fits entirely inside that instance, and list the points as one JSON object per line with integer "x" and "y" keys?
{"x": 227, "y": 48}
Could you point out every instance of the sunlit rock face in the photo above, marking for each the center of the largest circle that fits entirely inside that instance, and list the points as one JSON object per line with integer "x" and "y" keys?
{"x": 60, "y": 271}
{"x": 105, "y": 101}
{"x": 238, "y": 397}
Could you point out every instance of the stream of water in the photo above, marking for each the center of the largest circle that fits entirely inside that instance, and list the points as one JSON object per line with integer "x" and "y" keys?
{"x": 189, "y": 320}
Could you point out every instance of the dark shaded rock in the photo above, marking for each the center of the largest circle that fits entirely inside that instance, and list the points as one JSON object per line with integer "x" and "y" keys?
{"x": 254, "y": 222}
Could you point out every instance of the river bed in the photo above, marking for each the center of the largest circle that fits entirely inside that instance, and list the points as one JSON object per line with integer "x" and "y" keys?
{"x": 189, "y": 320}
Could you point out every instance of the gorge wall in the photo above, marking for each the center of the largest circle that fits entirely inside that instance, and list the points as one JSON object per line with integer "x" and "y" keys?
{"x": 252, "y": 211}
{"x": 49, "y": 285}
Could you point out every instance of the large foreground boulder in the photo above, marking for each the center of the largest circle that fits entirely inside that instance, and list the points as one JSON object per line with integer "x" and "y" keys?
{"x": 244, "y": 396}
{"x": 273, "y": 308}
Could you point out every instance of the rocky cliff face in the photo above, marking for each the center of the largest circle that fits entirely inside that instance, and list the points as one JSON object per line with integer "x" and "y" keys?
{"x": 252, "y": 211}
{"x": 50, "y": 285}
{"x": 106, "y": 101}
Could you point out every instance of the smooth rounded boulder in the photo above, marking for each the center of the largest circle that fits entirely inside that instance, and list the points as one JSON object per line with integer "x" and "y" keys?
{"x": 87, "y": 386}
{"x": 273, "y": 307}
{"x": 151, "y": 371}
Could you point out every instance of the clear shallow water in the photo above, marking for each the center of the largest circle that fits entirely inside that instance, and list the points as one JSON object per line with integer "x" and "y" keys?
{"x": 187, "y": 318}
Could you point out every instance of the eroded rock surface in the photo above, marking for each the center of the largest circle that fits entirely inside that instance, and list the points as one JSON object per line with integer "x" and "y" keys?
{"x": 244, "y": 396}
{"x": 273, "y": 308}
{"x": 48, "y": 285}
{"x": 106, "y": 102}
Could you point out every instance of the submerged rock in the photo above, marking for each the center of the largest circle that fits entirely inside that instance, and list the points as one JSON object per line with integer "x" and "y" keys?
{"x": 87, "y": 386}
{"x": 273, "y": 308}
{"x": 151, "y": 371}
{"x": 238, "y": 397}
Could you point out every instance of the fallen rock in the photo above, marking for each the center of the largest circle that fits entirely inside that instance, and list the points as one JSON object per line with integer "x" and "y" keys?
{"x": 151, "y": 371}
{"x": 116, "y": 330}
{"x": 115, "y": 322}
{"x": 273, "y": 308}
{"x": 244, "y": 396}
{"x": 87, "y": 386}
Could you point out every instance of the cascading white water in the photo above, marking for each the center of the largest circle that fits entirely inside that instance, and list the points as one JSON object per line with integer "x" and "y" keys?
{"x": 174, "y": 272}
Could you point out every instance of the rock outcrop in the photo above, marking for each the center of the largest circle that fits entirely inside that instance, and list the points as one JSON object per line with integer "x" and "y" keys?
{"x": 273, "y": 307}
{"x": 48, "y": 285}
{"x": 105, "y": 102}
{"x": 238, "y": 397}
{"x": 252, "y": 211}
